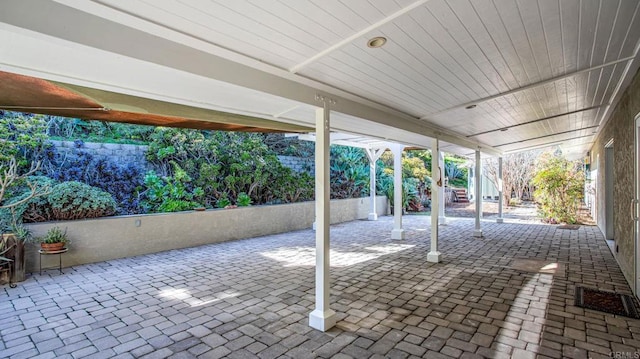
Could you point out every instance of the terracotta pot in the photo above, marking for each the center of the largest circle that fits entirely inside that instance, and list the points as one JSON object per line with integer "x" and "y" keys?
{"x": 51, "y": 247}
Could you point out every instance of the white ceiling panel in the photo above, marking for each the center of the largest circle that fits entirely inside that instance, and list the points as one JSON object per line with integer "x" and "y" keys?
{"x": 518, "y": 61}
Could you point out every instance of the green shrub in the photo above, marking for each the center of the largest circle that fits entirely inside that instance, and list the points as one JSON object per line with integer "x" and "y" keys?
{"x": 74, "y": 200}
{"x": 224, "y": 164}
{"x": 170, "y": 193}
{"x": 65, "y": 201}
{"x": 244, "y": 200}
{"x": 559, "y": 185}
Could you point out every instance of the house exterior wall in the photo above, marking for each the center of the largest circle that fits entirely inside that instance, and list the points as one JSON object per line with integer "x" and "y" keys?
{"x": 620, "y": 128}
{"x": 102, "y": 239}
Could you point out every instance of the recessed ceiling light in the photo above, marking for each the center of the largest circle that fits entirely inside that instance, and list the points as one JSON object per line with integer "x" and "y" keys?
{"x": 470, "y": 107}
{"x": 376, "y": 42}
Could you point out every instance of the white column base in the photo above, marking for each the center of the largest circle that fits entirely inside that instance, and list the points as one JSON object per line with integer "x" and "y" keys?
{"x": 397, "y": 234}
{"x": 442, "y": 220}
{"x": 373, "y": 217}
{"x": 477, "y": 233}
{"x": 314, "y": 226}
{"x": 499, "y": 220}
{"x": 434, "y": 257}
{"x": 322, "y": 321}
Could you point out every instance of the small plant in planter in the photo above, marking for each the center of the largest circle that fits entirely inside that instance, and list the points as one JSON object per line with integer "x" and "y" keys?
{"x": 54, "y": 240}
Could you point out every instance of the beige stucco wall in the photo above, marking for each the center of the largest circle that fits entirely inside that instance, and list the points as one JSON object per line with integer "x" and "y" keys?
{"x": 620, "y": 128}
{"x": 118, "y": 237}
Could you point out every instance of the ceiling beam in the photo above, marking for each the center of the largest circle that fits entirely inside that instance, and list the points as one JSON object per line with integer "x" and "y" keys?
{"x": 357, "y": 35}
{"x": 538, "y": 120}
{"x": 545, "y": 136}
{"x": 547, "y": 144}
{"x": 35, "y": 16}
{"x": 532, "y": 85}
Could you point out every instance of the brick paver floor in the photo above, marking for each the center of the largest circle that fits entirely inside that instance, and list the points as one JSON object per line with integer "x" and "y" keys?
{"x": 251, "y": 298}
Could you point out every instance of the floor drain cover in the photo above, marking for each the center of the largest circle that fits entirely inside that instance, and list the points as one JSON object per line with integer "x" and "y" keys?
{"x": 608, "y": 302}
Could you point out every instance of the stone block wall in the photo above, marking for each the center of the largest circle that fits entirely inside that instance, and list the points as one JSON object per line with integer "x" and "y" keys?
{"x": 122, "y": 154}
{"x": 298, "y": 164}
{"x": 621, "y": 129}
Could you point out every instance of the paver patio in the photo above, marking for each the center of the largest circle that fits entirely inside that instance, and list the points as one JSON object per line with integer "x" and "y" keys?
{"x": 251, "y": 298}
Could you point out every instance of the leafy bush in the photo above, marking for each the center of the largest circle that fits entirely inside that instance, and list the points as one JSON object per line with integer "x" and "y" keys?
{"x": 122, "y": 182}
{"x": 225, "y": 164}
{"x": 75, "y": 200}
{"x": 67, "y": 201}
{"x": 32, "y": 210}
{"x": 170, "y": 193}
{"x": 244, "y": 200}
{"x": 24, "y": 137}
{"x": 559, "y": 187}
{"x": 98, "y": 131}
{"x": 349, "y": 176}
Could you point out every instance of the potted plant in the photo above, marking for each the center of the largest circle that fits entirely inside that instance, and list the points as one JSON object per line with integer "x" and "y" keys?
{"x": 21, "y": 236}
{"x": 54, "y": 240}
{"x": 5, "y": 261}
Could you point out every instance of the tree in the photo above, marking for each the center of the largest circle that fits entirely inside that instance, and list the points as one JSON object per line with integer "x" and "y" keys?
{"x": 559, "y": 187}
{"x": 517, "y": 171}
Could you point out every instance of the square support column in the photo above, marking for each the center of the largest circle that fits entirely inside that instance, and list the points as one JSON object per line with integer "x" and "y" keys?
{"x": 478, "y": 174}
{"x": 500, "y": 194}
{"x": 436, "y": 176}
{"x": 397, "y": 232}
{"x": 322, "y": 318}
{"x": 441, "y": 217}
{"x": 373, "y": 155}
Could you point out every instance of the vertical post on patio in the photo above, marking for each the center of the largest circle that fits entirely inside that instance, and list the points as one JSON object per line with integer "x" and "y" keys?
{"x": 322, "y": 318}
{"x": 373, "y": 154}
{"x": 478, "y": 195}
{"x": 441, "y": 217}
{"x": 397, "y": 232}
{"x": 500, "y": 193}
{"x": 436, "y": 176}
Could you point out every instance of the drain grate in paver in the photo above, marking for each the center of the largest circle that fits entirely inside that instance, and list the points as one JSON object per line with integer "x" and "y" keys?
{"x": 569, "y": 226}
{"x": 604, "y": 301}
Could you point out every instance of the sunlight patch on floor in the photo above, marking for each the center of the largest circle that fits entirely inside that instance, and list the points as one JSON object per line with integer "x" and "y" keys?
{"x": 306, "y": 256}
{"x": 185, "y": 295}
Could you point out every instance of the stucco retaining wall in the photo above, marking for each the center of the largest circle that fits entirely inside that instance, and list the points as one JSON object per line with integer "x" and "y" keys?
{"x": 125, "y": 236}
{"x": 620, "y": 128}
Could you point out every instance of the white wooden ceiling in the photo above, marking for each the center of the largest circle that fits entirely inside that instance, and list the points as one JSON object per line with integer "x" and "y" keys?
{"x": 539, "y": 72}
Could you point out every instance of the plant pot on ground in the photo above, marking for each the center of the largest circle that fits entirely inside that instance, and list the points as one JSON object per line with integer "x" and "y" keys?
{"x": 54, "y": 240}
{"x": 20, "y": 236}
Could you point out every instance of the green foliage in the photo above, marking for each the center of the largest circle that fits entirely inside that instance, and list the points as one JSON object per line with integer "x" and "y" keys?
{"x": 349, "y": 172}
{"x": 22, "y": 233}
{"x": 559, "y": 187}
{"x": 65, "y": 201}
{"x": 416, "y": 178}
{"x": 171, "y": 193}
{"x": 23, "y": 137}
{"x": 54, "y": 235}
{"x": 225, "y": 164}
{"x": 244, "y": 200}
{"x": 75, "y": 200}
{"x": 98, "y": 131}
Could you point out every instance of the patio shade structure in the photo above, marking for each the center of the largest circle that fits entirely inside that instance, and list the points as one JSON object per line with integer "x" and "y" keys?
{"x": 480, "y": 77}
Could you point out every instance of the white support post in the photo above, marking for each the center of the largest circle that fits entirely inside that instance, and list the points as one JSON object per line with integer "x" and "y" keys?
{"x": 441, "y": 217}
{"x": 478, "y": 187}
{"x": 397, "y": 232}
{"x": 500, "y": 194}
{"x": 373, "y": 155}
{"x": 322, "y": 318}
{"x": 436, "y": 176}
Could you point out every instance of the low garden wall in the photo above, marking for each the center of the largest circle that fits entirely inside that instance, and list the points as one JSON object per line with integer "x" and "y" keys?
{"x": 103, "y": 239}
